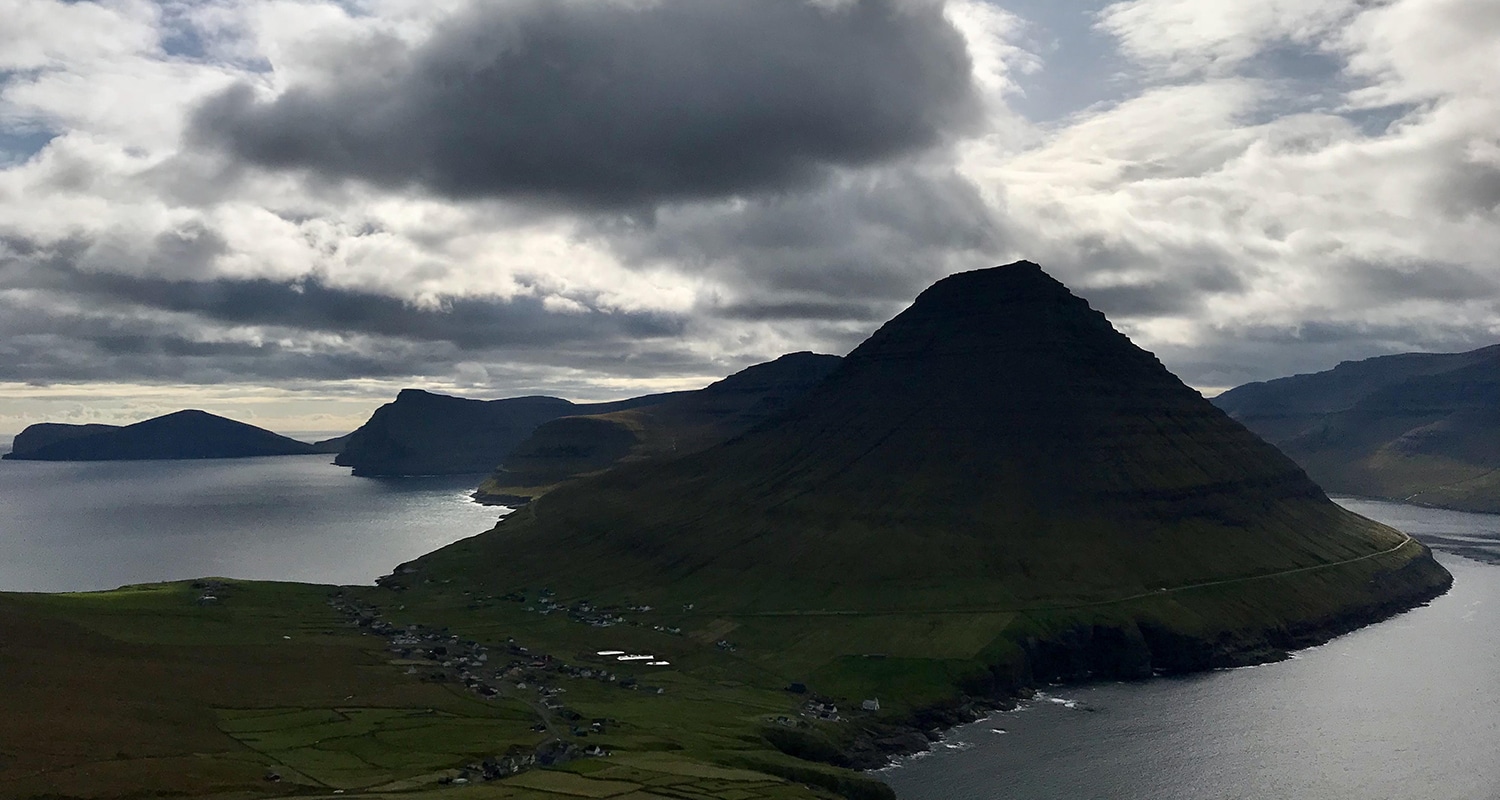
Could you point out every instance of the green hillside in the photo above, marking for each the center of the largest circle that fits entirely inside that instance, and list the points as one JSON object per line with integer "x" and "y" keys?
{"x": 997, "y": 467}
{"x": 1417, "y": 427}
{"x": 995, "y": 491}
{"x": 421, "y": 433}
{"x": 570, "y": 447}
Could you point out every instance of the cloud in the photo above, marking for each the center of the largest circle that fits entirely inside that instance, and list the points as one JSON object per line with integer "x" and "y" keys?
{"x": 607, "y": 197}
{"x": 609, "y": 103}
{"x": 857, "y": 247}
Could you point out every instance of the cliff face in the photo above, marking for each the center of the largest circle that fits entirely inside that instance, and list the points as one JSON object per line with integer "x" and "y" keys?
{"x": 181, "y": 435}
{"x": 1417, "y": 427}
{"x": 43, "y": 434}
{"x": 997, "y": 445}
{"x": 422, "y": 433}
{"x": 569, "y": 447}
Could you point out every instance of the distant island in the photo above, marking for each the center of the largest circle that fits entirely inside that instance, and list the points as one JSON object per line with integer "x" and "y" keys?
{"x": 187, "y": 434}
{"x": 1414, "y": 427}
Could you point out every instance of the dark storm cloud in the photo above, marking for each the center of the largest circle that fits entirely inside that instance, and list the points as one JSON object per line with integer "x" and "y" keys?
{"x": 469, "y": 323}
{"x": 59, "y": 322}
{"x": 828, "y": 311}
{"x": 43, "y": 344}
{"x": 605, "y": 103}
{"x": 1431, "y": 281}
{"x": 858, "y": 247}
{"x": 1126, "y": 282}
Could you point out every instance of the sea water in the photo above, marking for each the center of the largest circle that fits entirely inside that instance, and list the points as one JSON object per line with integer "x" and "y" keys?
{"x": 78, "y": 526}
{"x": 1405, "y": 709}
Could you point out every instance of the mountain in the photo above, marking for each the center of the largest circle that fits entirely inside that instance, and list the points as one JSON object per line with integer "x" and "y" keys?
{"x": 997, "y": 457}
{"x": 180, "y": 435}
{"x": 334, "y": 445}
{"x": 1417, "y": 427}
{"x": 568, "y": 447}
{"x": 43, "y": 434}
{"x": 422, "y": 433}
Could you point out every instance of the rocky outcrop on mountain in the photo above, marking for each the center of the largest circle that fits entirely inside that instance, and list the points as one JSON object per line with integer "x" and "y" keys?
{"x": 422, "y": 433}
{"x": 569, "y": 447}
{"x": 996, "y": 446}
{"x": 1416, "y": 427}
{"x": 181, "y": 435}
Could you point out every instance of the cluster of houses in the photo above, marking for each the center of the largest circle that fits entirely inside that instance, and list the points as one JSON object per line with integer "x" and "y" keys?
{"x": 444, "y": 657}
{"x": 820, "y": 708}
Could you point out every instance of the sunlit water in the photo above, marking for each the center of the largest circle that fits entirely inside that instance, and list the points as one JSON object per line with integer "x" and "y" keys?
{"x": 1408, "y": 709}
{"x": 97, "y": 525}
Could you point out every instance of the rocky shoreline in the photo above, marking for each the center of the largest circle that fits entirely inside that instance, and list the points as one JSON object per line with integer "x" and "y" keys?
{"x": 1083, "y": 655}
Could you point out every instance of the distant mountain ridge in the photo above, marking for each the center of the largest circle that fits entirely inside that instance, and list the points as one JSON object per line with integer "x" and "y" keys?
{"x": 422, "y": 433}
{"x": 997, "y": 448}
{"x": 1417, "y": 427}
{"x": 188, "y": 434}
{"x": 568, "y": 447}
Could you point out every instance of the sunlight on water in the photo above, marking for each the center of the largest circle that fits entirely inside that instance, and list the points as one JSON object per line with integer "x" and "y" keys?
{"x": 97, "y": 525}
{"x": 1409, "y": 708}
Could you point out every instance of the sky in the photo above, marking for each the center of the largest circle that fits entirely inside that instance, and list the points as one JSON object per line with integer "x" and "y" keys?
{"x": 284, "y": 211}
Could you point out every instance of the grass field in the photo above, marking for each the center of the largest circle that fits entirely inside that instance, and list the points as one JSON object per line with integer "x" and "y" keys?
{"x": 144, "y": 692}
{"x": 147, "y": 691}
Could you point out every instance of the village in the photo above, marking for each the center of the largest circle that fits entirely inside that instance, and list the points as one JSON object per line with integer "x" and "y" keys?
{"x": 437, "y": 656}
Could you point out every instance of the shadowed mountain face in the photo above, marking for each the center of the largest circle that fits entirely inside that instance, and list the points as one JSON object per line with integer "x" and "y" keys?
{"x": 422, "y": 433}
{"x": 42, "y": 434}
{"x": 568, "y": 447}
{"x": 1419, "y": 427}
{"x": 996, "y": 443}
{"x": 180, "y": 435}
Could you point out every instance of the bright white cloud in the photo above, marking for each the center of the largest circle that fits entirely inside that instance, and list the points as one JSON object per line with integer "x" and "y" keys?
{"x": 1271, "y": 186}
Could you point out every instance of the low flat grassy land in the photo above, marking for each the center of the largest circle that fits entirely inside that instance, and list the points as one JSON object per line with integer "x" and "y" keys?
{"x": 145, "y": 692}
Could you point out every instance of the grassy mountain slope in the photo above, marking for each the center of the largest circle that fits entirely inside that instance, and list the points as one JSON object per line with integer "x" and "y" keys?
{"x": 1417, "y": 427}
{"x": 180, "y": 435}
{"x": 568, "y": 447}
{"x": 421, "y": 433}
{"x": 996, "y": 454}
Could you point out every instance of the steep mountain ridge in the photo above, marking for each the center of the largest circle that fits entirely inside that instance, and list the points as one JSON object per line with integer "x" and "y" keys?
{"x": 996, "y": 444}
{"x": 422, "y": 433}
{"x": 568, "y": 447}
{"x": 1419, "y": 427}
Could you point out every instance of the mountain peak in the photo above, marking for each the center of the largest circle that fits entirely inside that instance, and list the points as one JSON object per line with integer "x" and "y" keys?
{"x": 997, "y": 440}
